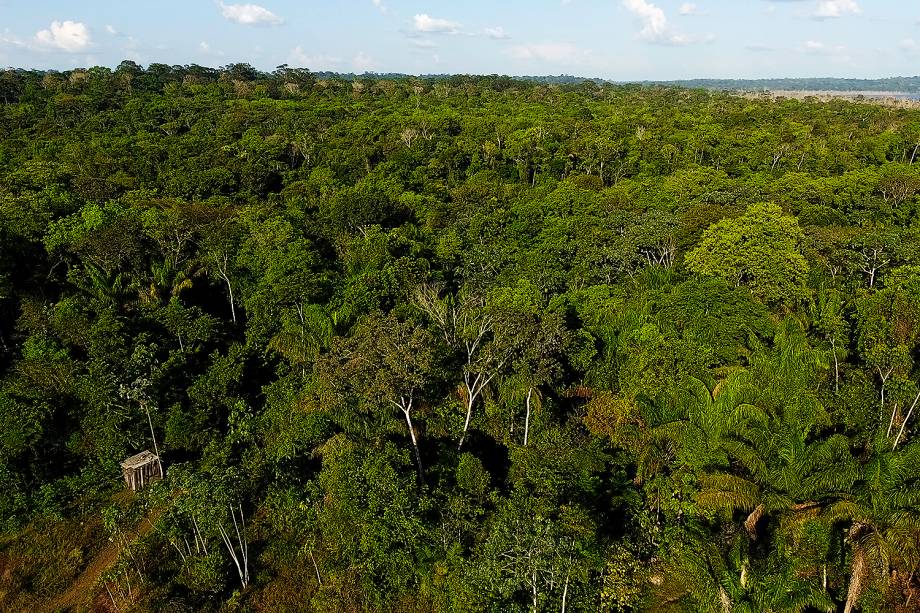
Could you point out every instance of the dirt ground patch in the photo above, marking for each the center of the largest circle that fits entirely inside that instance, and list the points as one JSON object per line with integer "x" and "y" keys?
{"x": 81, "y": 592}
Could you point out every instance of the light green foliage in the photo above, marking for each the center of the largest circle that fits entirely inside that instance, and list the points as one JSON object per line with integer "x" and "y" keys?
{"x": 623, "y": 581}
{"x": 761, "y": 250}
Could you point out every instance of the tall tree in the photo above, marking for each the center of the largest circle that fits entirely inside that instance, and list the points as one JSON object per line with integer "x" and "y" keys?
{"x": 761, "y": 250}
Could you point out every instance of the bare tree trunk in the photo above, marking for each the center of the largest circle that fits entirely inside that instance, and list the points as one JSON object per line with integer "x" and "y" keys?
{"x": 232, "y": 303}
{"x": 156, "y": 449}
{"x": 199, "y": 536}
{"x": 469, "y": 414}
{"x": 777, "y": 156}
{"x": 857, "y": 575}
{"x": 750, "y": 524}
{"x": 474, "y": 387}
{"x": 407, "y": 410}
{"x": 316, "y": 568}
{"x": 244, "y": 542}
{"x": 527, "y": 417}
{"x": 906, "y": 419}
{"x": 223, "y": 270}
{"x": 894, "y": 412}
{"x": 872, "y": 263}
{"x": 241, "y": 559}
{"x": 533, "y": 585}
{"x": 725, "y": 599}
{"x": 884, "y": 377}
{"x": 453, "y": 319}
{"x": 565, "y": 592}
{"x": 179, "y": 549}
{"x": 112, "y": 598}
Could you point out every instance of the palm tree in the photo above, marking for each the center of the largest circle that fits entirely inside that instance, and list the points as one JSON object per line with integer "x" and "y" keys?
{"x": 881, "y": 521}
{"x": 717, "y": 580}
{"x": 753, "y": 445}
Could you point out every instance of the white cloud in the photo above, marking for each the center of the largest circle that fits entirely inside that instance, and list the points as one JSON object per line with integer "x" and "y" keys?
{"x": 496, "y": 33}
{"x": 206, "y": 49}
{"x": 654, "y": 21}
{"x": 250, "y": 14}
{"x": 299, "y": 57}
{"x": 362, "y": 62}
{"x": 558, "y": 53}
{"x": 431, "y": 25}
{"x": 689, "y": 8}
{"x": 837, "y": 53}
{"x": 111, "y": 29}
{"x": 828, "y": 9}
{"x": 8, "y": 38}
{"x": 655, "y": 27}
{"x": 379, "y": 5}
{"x": 70, "y": 36}
{"x": 910, "y": 45}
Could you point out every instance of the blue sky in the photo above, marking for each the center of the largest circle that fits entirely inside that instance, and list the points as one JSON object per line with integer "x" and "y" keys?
{"x": 614, "y": 39}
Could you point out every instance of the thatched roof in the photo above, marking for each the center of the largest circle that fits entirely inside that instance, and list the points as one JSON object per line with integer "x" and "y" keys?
{"x": 136, "y": 461}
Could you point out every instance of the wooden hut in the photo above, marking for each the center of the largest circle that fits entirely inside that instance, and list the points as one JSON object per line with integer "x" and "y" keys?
{"x": 141, "y": 469}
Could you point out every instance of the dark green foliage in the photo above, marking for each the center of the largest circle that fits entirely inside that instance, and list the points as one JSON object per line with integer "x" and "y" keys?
{"x": 461, "y": 344}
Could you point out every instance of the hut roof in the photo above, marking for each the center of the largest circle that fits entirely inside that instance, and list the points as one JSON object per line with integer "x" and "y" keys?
{"x": 136, "y": 461}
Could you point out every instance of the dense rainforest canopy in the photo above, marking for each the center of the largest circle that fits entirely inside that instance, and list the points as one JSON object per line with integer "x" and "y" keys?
{"x": 466, "y": 344}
